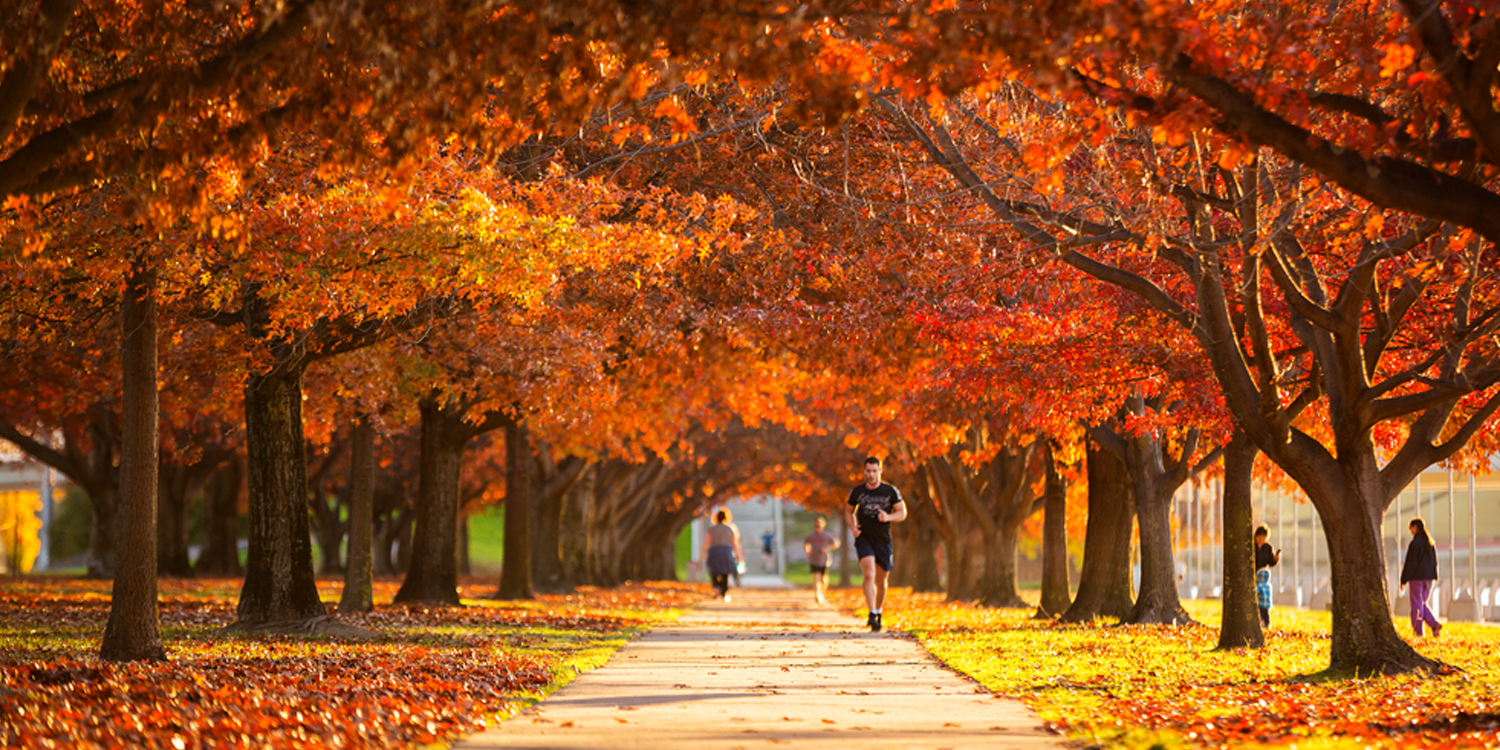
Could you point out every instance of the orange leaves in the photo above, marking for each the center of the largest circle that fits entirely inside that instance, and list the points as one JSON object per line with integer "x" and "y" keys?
{"x": 433, "y": 676}
{"x": 1396, "y": 57}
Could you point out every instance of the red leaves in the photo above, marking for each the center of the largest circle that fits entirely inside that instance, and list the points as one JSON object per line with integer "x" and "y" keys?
{"x": 434, "y": 675}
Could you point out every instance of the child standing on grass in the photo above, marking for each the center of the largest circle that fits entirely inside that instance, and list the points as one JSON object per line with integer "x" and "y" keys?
{"x": 1265, "y": 559}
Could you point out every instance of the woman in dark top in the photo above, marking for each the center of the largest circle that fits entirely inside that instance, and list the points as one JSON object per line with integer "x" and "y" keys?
{"x": 721, "y": 551}
{"x": 1420, "y": 572}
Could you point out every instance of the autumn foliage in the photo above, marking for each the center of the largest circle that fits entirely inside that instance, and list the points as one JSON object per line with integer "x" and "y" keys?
{"x": 430, "y": 675}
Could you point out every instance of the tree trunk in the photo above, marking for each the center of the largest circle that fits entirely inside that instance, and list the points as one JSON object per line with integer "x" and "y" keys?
{"x": 132, "y": 632}
{"x": 221, "y": 550}
{"x": 926, "y": 552}
{"x": 1000, "y": 568}
{"x": 573, "y": 532}
{"x": 1104, "y": 582}
{"x": 433, "y": 575}
{"x": 1157, "y": 602}
{"x": 1055, "y": 594}
{"x": 173, "y": 491}
{"x": 520, "y": 466}
{"x": 279, "y": 582}
{"x": 465, "y": 564}
{"x": 546, "y": 530}
{"x": 1364, "y": 638}
{"x": 1240, "y": 622}
{"x": 359, "y": 574}
{"x": 104, "y": 494}
{"x": 904, "y": 573}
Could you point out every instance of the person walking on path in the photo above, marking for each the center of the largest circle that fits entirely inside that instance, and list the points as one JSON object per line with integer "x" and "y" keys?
{"x": 817, "y": 545}
{"x": 1420, "y": 572}
{"x": 721, "y": 550}
{"x": 873, "y": 507}
{"x": 1265, "y": 559}
{"x": 768, "y": 551}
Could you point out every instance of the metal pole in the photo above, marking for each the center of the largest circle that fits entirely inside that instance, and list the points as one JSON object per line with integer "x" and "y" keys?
{"x": 780, "y": 540}
{"x": 1473, "y": 562}
{"x": 1280, "y": 539}
{"x": 1296, "y": 553}
{"x": 44, "y": 552}
{"x": 1314, "y": 543}
{"x": 1197, "y": 542}
{"x": 696, "y": 554}
{"x": 1399, "y": 552}
{"x": 1452, "y": 548}
{"x": 1263, "y": 504}
{"x": 1215, "y": 531}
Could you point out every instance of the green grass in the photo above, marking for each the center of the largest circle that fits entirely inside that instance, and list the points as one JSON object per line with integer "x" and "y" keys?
{"x": 487, "y": 540}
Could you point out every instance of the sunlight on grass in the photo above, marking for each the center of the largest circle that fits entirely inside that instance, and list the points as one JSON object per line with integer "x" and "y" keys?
{"x": 1140, "y": 686}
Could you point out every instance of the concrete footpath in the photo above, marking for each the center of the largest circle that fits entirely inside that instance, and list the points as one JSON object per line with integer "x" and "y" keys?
{"x": 770, "y": 668}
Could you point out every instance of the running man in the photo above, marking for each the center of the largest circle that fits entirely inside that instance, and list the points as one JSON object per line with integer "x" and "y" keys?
{"x": 817, "y": 545}
{"x": 873, "y": 507}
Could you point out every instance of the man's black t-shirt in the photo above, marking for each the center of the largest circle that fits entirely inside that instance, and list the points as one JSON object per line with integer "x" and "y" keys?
{"x": 870, "y": 502}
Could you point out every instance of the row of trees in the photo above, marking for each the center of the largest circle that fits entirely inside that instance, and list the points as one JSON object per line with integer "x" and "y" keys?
{"x": 987, "y": 241}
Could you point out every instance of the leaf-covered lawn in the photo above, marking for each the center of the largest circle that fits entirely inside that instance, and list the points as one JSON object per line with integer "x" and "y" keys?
{"x": 1141, "y": 686}
{"x": 432, "y": 674}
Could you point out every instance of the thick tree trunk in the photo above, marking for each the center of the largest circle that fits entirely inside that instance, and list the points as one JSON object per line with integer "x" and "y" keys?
{"x": 279, "y": 582}
{"x": 961, "y": 575}
{"x": 465, "y": 564}
{"x": 433, "y": 575}
{"x": 573, "y": 533}
{"x": 546, "y": 530}
{"x": 903, "y": 540}
{"x": 1364, "y": 638}
{"x": 359, "y": 574}
{"x": 925, "y": 553}
{"x": 652, "y": 555}
{"x": 104, "y": 493}
{"x": 1000, "y": 568}
{"x": 1157, "y": 602}
{"x": 1104, "y": 582}
{"x": 520, "y": 468}
{"x": 221, "y": 551}
{"x": 132, "y": 632}
{"x": 1240, "y": 622}
{"x": 173, "y": 490}
{"x": 1055, "y": 594}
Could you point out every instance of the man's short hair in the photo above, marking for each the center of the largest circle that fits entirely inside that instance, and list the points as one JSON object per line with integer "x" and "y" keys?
{"x": 1262, "y": 531}
{"x": 872, "y": 460}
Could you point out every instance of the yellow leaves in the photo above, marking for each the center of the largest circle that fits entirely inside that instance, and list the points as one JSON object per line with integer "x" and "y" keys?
{"x": 1374, "y": 226}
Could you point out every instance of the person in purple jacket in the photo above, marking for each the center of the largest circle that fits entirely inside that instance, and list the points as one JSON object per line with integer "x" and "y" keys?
{"x": 1420, "y": 572}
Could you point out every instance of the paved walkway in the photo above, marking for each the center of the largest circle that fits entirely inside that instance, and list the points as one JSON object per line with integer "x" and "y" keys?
{"x": 765, "y": 669}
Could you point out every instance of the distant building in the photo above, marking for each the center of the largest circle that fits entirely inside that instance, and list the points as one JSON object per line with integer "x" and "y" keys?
{"x": 25, "y": 512}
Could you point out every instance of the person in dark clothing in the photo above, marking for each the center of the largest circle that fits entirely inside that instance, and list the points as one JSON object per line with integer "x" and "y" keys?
{"x": 1265, "y": 559}
{"x": 873, "y": 507}
{"x": 1420, "y": 572}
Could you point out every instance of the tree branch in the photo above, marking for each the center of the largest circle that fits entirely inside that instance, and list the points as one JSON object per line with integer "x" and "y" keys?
{"x": 25, "y": 76}
{"x": 1385, "y": 181}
